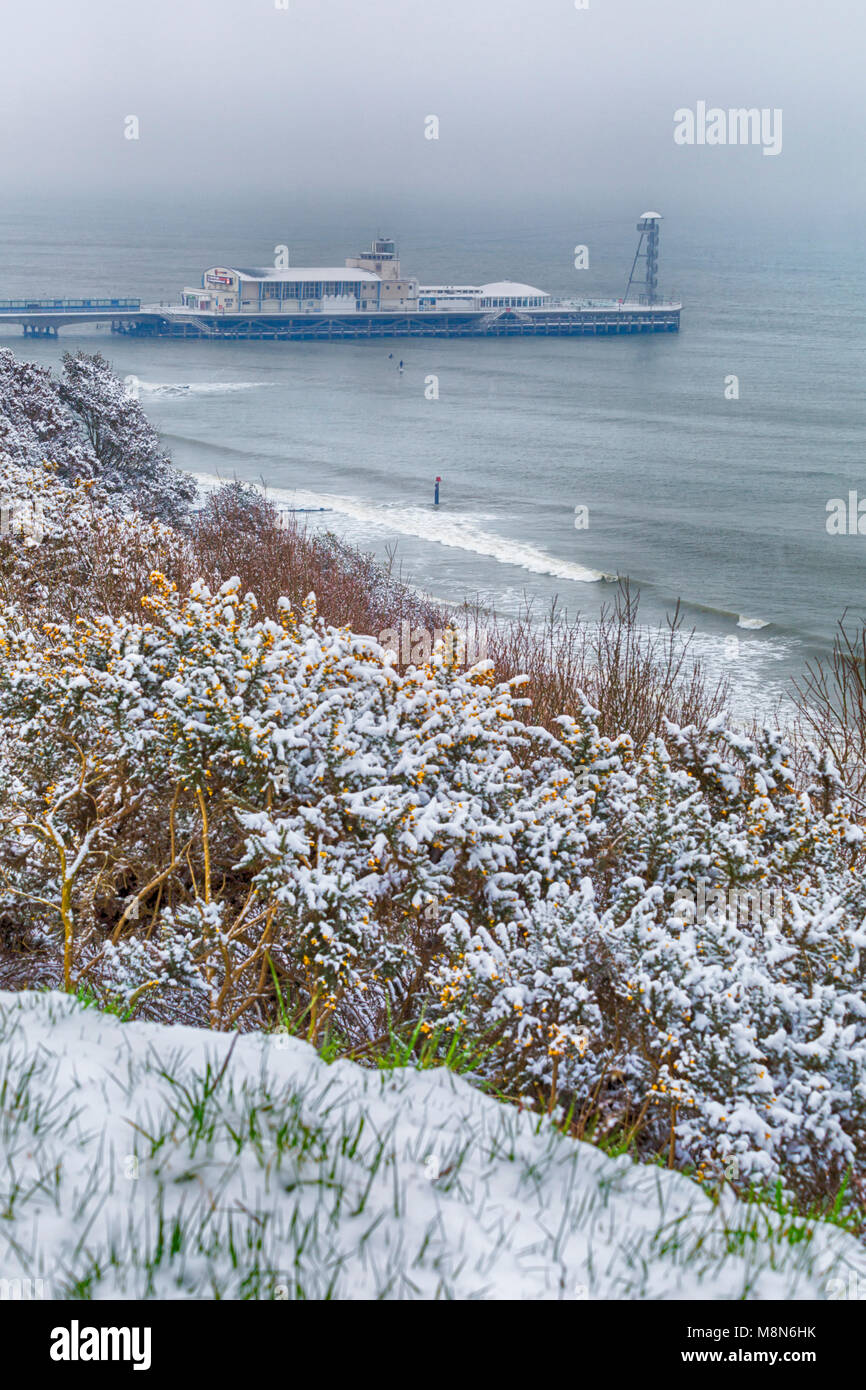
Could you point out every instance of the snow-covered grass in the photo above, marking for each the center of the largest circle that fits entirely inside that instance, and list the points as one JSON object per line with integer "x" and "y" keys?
{"x": 143, "y": 1161}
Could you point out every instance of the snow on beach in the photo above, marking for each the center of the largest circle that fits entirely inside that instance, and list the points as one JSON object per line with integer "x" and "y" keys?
{"x": 145, "y": 1161}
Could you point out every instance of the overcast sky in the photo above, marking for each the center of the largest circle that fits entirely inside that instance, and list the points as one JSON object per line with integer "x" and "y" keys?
{"x": 532, "y": 97}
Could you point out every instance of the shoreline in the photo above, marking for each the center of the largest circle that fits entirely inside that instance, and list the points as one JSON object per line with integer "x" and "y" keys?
{"x": 743, "y": 647}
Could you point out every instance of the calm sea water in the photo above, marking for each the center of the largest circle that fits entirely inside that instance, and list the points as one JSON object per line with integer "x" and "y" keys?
{"x": 718, "y": 503}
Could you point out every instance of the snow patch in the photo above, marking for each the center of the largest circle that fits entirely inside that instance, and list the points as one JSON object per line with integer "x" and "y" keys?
{"x": 321, "y": 1179}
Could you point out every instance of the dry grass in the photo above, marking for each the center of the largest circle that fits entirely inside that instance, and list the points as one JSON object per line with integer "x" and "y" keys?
{"x": 831, "y": 704}
{"x": 636, "y": 677}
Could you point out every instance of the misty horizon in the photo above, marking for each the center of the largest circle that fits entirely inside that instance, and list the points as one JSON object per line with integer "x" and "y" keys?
{"x": 330, "y": 101}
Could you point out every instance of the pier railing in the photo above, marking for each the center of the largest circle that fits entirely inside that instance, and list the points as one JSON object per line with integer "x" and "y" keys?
{"x": 628, "y": 304}
{"x": 48, "y": 306}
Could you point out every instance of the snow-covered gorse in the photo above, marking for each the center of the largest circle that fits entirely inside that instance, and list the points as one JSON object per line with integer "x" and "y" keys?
{"x": 215, "y": 816}
{"x": 90, "y": 428}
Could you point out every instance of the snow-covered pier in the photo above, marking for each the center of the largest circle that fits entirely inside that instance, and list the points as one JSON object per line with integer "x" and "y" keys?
{"x": 369, "y": 297}
{"x": 42, "y": 318}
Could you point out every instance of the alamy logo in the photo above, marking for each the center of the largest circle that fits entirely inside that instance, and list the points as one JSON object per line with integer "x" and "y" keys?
{"x": 19, "y": 1289}
{"x": 846, "y": 520}
{"x": 739, "y": 125}
{"x": 22, "y": 518}
{"x": 854, "y": 1290}
{"x": 76, "y": 1343}
{"x": 416, "y": 645}
{"x": 739, "y": 907}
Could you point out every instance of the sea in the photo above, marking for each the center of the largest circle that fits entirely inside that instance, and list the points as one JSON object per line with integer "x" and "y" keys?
{"x": 701, "y": 489}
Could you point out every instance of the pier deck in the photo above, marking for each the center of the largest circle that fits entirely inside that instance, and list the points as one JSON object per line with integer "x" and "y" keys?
{"x": 45, "y": 319}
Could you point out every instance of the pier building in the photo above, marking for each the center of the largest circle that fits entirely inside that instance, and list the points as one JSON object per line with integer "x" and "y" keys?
{"x": 397, "y": 291}
{"x": 302, "y": 290}
{"x": 501, "y": 294}
{"x": 368, "y": 297}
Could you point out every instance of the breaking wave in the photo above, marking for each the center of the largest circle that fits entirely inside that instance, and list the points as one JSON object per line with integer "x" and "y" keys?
{"x": 461, "y": 533}
{"x": 134, "y": 385}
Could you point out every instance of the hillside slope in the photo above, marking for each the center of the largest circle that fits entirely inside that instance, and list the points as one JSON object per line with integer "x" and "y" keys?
{"x": 178, "y": 1163}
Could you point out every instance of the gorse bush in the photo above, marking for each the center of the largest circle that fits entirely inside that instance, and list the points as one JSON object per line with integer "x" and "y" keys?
{"x": 90, "y": 428}
{"x": 203, "y": 803}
